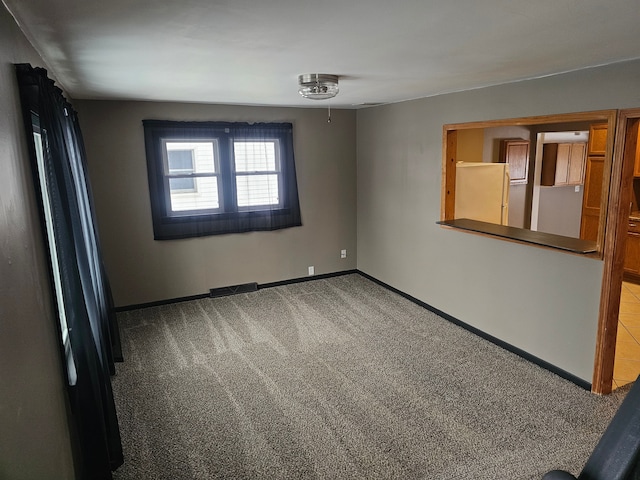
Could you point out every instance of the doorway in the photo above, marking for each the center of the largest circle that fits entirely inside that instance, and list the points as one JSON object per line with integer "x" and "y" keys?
{"x": 627, "y": 355}
{"x": 618, "y": 211}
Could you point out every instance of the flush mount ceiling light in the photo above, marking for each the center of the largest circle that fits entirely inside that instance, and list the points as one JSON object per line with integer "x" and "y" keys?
{"x": 318, "y": 86}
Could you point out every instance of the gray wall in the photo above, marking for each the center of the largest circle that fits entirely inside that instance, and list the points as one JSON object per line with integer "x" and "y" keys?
{"x": 540, "y": 300}
{"x": 143, "y": 270}
{"x": 34, "y": 438}
{"x": 560, "y": 210}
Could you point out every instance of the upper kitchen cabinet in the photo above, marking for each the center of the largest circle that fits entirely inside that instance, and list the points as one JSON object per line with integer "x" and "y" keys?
{"x": 516, "y": 154}
{"x": 570, "y": 164}
{"x": 598, "y": 139}
{"x": 563, "y": 164}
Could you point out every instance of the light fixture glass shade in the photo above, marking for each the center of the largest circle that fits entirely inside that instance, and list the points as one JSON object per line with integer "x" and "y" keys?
{"x": 318, "y": 86}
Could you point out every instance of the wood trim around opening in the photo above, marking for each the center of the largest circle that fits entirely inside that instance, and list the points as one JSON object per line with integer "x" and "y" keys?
{"x": 449, "y": 157}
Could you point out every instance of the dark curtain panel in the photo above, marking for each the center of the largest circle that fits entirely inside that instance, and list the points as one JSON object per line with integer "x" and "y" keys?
{"x": 86, "y": 296}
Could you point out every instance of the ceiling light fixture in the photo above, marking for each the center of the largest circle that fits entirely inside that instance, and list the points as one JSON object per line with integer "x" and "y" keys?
{"x": 318, "y": 86}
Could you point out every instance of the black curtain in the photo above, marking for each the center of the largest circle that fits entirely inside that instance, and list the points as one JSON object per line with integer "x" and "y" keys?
{"x": 86, "y": 296}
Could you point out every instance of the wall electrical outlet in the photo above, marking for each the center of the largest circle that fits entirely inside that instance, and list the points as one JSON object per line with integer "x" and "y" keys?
{"x": 312, "y": 270}
{"x": 343, "y": 254}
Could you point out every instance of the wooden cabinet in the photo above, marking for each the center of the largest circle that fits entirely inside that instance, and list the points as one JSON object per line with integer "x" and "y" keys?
{"x": 577, "y": 162}
{"x": 636, "y": 168}
{"x": 549, "y": 160}
{"x": 571, "y": 162}
{"x": 563, "y": 164}
{"x": 598, "y": 139}
{"x": 516, "y": 154}
{"x": 632, "y": 249}
{"x": 594, "y": 176}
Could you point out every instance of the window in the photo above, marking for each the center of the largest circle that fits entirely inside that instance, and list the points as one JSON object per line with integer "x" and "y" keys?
{"x": 39, "y": 136}
{"x": 209, "y": 178}
{"x": 192, "y": 175}
{"x": 257, "y": 173}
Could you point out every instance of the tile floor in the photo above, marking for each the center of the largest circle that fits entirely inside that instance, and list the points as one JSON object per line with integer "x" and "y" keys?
{"x": 627, "y": 362}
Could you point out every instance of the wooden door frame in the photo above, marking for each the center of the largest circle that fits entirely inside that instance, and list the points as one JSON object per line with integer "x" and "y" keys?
{"x": 620, "y": 191}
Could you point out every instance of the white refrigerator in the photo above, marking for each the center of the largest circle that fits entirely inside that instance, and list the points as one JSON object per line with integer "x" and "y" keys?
{"x": 482, "y": 192}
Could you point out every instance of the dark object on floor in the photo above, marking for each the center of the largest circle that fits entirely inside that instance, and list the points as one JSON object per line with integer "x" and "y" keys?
{"x": 617, "y": 454}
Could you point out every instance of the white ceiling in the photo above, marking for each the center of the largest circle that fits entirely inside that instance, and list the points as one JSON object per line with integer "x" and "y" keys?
{"x": 252, "y": 51}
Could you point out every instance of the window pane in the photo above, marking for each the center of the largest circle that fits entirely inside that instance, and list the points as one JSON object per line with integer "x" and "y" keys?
{"x": 255, "y": 190}
{"x": 190, "y": 157}
{"x": 180, "y": 161}
{"x": 255, "y": 156}
{"x": 182, "y": 185}
{"x": 202, "y": 194}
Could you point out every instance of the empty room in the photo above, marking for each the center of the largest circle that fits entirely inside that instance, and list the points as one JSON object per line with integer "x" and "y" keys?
{"x": 277, "y": 240}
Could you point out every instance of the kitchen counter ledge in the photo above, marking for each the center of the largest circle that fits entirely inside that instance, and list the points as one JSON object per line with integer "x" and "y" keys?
{"x": 574, "y": 245}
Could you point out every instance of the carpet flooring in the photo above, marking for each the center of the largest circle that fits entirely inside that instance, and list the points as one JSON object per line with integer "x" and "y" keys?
{"x": 333, "y": 379}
